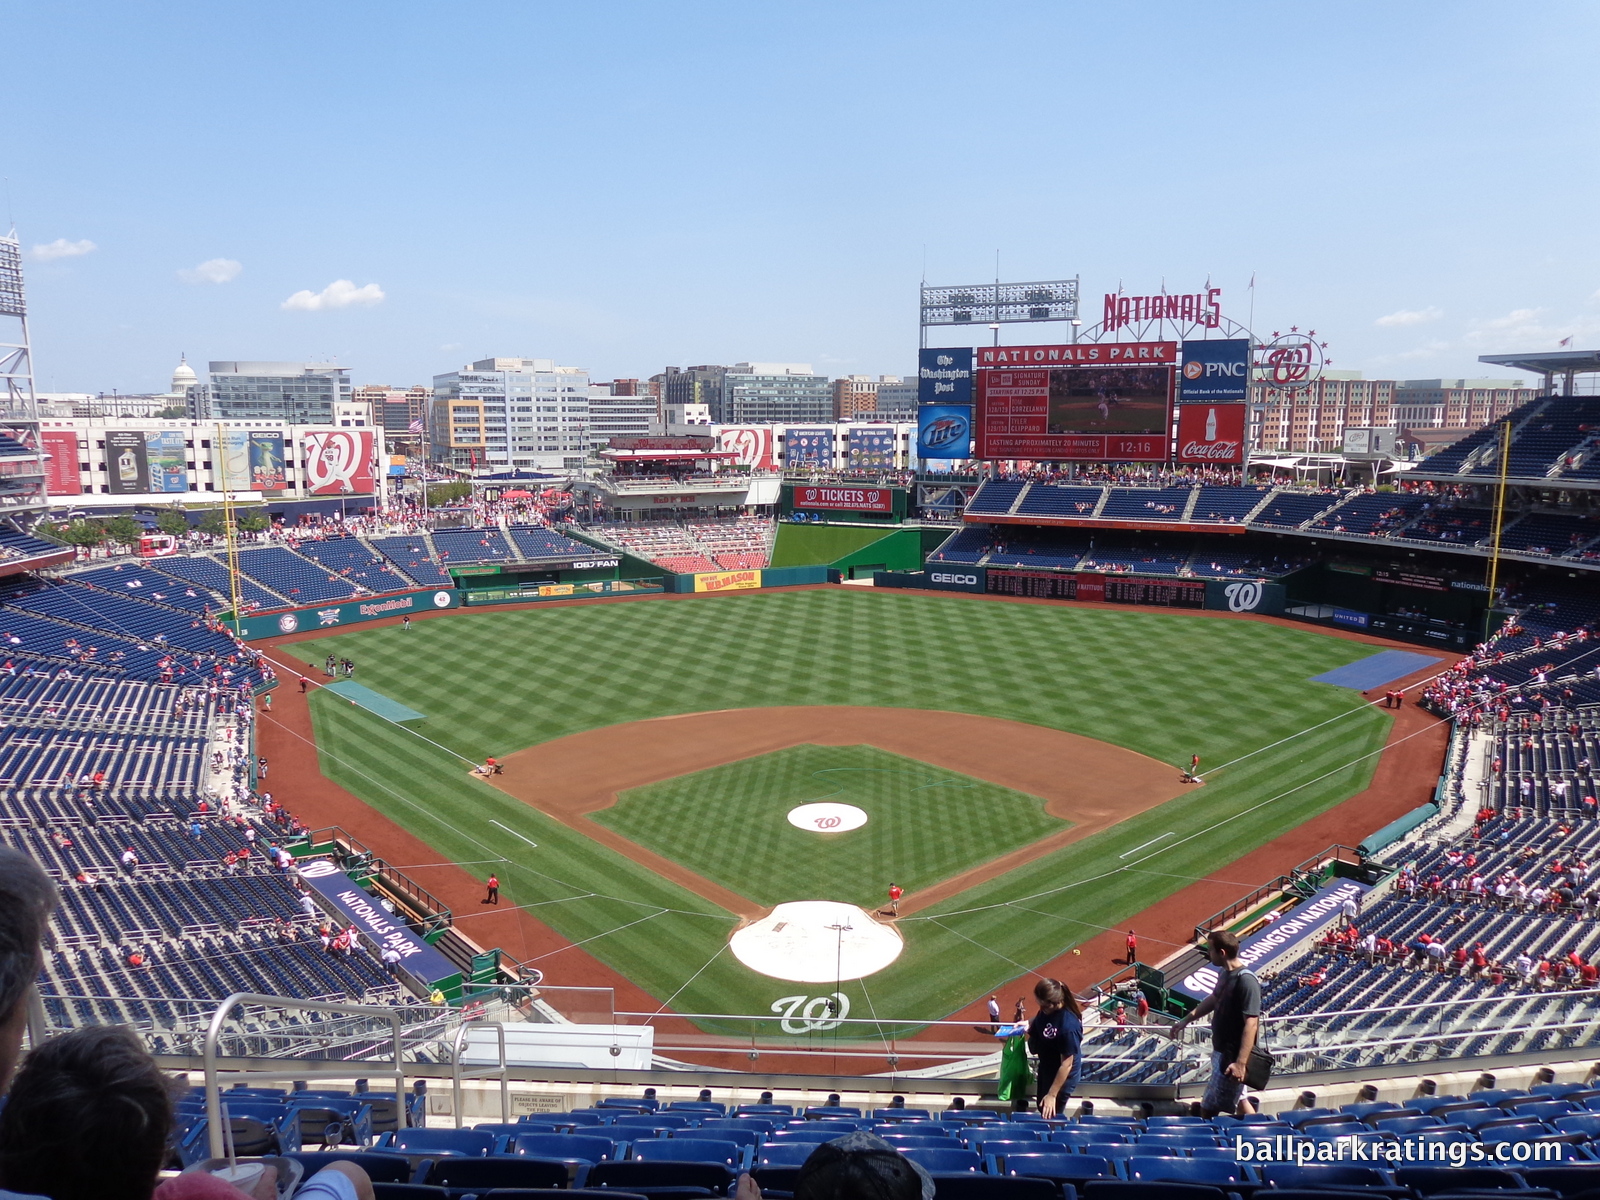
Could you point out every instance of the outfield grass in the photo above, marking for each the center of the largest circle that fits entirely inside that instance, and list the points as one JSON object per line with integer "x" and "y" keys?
{"x": 1163, "y": 684}
{"x": 730, "y": 823}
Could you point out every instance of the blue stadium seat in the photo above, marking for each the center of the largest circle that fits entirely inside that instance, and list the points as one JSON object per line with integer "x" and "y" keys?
{"x": 785, "y": 1154}
{"x": 569, "y": 1147}
{"x": 945, "y": 1160}
{"x": 466, "y": 1142}
{"x": 481, "y": 1174}
{"x": 380, "y": 1168}
{"x": 1076, "y": 1169}
{"x": 685, "y": 1149}
{"x": 964, "y": 1186}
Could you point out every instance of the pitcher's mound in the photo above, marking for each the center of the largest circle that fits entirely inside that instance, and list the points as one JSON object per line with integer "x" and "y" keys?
{"x": 816, "y": 941}
{"x": 827, "y": 817}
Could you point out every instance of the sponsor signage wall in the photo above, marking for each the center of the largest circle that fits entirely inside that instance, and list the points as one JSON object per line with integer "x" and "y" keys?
{"x": 1105, "y": 402}
{"x": 127, "y": 467}
{"x": 1215, "y": 371}
{"x": 871, "y": 446}
{"x": 842, "y": 499}
{"x": 1113, "y": 589}
{"x": 954, "y": 578}
{"x": 751, "y": 445}
{"x": 808, "y": 447}
{"x": 726, "y": 581}
{"x": 339, "y": 462}
{"x": 944, "y": 431}
{"x": 944, "y": 375}
{"x": 264, "y": 458}
{"x": 360, "y": 909}
{"x": 350, "y": 612}
{"x": 61, "y": 476}
{"x": 165, "y": 455}
{"x": 1211, "y": 433}
{"x": 1246, "y": 596}
{"x": 1283, "y": 935}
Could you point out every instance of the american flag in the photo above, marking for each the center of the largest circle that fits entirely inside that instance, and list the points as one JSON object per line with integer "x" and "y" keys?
{"x": 415, "y": 426}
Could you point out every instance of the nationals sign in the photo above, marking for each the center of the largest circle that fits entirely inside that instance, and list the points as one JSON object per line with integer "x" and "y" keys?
{"x": 1211, "y": 433}
{"x": 845, "y": 499}
{"x": 338, "y": 463}
{"x": 751, "y": 446}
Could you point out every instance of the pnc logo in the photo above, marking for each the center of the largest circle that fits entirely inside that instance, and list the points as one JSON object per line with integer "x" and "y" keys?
{"x": 1193, "y": 370}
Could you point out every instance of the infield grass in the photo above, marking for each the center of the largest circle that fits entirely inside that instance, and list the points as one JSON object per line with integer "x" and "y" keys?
{"x": 1163, "y": 684}
{"x": 730, "y": 823}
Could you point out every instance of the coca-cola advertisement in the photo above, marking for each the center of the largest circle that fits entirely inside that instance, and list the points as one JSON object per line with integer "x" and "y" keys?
{"x": 1211, "y": 433}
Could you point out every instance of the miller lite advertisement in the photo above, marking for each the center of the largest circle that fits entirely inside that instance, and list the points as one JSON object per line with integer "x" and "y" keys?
{"x": 1211, "y": 433}
{"x": 944, "y": 431}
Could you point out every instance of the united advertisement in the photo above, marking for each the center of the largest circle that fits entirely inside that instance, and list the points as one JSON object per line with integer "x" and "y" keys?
{"x": 944, "y": 431}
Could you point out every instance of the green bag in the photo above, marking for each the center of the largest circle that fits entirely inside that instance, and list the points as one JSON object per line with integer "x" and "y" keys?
{"x": 1015, "y": 1076}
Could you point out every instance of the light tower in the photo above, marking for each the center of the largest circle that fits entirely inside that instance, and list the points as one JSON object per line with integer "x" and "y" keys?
{"x": 22, "y": 473}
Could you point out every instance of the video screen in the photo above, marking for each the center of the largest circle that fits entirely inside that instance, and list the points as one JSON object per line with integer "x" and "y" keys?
{"x": 1110, "y": 399}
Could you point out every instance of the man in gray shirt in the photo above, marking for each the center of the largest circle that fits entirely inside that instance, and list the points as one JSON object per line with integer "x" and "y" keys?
{"x": 1235, "y": 1009}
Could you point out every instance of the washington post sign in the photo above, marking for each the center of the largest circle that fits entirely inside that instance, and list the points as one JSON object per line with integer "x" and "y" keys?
{"x": 944, "y": 375}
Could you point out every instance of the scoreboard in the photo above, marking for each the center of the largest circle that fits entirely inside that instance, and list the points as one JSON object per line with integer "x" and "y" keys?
{"x": 1150, "y": 591}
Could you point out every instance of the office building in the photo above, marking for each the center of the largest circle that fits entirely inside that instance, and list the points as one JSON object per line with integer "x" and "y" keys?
{"x": 774, "y": 393}
{"x": 629, "y": 412}
{"x": 693, "y": 385}
{"x": 857, "y": 394}
{"x": 394, "y": 409}
{"x": 1313, "y": 419}
{"x": 504, "y": 413}
{"x": 897, "y": 396}
{"x": 293, "y": 393}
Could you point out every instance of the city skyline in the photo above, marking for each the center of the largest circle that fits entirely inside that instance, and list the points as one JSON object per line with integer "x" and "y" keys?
{"x": 631, "y": 188}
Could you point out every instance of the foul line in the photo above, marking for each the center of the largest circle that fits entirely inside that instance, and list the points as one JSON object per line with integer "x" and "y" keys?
{"x": 514, "y": 833}
{"x": 1151, "y": 842}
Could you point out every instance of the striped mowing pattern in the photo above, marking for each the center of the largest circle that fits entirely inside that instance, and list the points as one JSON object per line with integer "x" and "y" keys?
{"x": 1162, "y": 684}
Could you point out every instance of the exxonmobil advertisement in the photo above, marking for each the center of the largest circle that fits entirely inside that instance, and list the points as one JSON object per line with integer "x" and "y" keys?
{"x": 844, "y": 499}
{"x": 1211, "y": 433}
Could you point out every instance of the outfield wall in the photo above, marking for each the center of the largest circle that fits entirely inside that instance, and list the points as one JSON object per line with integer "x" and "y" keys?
{"x": 348, "y": 612}
{"x": 1157, "y": 591}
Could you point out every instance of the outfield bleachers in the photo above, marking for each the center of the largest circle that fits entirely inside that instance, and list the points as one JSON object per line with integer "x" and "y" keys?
{"x": 472, "y": 546}
{"x": 351, "y": 559}
{"x": 292, "y": 577}
{"x": 132, "y": 579}
{"x": 536, "y": 542}
{"x": 209, "y": 573}
{"x": 411, "y": 557}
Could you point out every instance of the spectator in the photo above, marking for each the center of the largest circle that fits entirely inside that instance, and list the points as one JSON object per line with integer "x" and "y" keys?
{"x": 87, "y": 1118}
{"x": 1055, "y": 1035}
{"x": 858, "y": 1166}
{"x": 1235, "y": 1009}
{"x": 27, "y": 898}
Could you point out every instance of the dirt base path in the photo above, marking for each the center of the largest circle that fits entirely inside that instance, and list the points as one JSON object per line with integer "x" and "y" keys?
{"x": 1090, "y": 783}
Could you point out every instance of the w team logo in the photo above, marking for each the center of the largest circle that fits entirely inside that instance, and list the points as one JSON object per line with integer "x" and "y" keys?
{"x": 1243, "y": 597}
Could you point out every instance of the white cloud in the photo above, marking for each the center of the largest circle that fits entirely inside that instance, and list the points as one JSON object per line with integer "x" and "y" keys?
{"x": 213, "y": 270}
{"x": 1411, "y": 316}
{"x": 341, "y": 293}
{"x": 61, "y": 248}
{"x": 1524, "y": 329}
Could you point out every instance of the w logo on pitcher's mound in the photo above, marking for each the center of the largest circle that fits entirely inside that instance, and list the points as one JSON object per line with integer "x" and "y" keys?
{"x": 1243, "y": 597}
{"x": 828, "y": 822}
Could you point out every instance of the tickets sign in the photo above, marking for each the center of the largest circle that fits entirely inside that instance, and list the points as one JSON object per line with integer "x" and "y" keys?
{"x": 845, "y": 499}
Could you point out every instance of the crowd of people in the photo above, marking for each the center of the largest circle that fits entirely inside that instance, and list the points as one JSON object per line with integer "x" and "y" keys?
{"x": 1469, "y": 692}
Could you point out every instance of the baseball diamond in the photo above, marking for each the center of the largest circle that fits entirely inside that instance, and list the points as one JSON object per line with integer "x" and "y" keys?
{"x": 540, "y": 688}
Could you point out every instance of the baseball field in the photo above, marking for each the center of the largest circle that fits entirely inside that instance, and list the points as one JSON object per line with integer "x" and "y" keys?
{"x": 652, "y": 871}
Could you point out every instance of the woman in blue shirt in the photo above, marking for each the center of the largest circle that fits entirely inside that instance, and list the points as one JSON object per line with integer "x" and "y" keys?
{"x": 1055, "y": 1035}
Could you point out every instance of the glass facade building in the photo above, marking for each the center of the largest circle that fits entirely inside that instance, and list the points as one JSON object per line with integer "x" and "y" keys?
{"x": 295, "y": 393}
{"x": 511, "y": 412}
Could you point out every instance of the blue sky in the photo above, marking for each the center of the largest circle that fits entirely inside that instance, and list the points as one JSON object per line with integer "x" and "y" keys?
{"x": 622, "y": 186}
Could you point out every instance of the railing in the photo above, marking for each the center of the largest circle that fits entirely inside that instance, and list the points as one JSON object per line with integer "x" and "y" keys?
{"x": 1252, "y": 900}
{"x": 430, "y": 911}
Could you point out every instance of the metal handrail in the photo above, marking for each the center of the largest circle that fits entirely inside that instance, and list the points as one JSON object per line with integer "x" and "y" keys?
{"x": 214, "y": 1130}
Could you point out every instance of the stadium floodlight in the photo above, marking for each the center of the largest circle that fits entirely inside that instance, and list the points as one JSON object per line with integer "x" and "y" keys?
{"x": 1000, "y": 303}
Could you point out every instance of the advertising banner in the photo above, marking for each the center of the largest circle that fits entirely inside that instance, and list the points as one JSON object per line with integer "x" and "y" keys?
{"x": 264, "y": 453}
{"x": 350, "y": 612}
{"x": 127, "y": 469}
{"x": 1211, "y": 433}
{"x": 1089, "y": 354}
{"x": 726, "y": 581}
{"x": 339, "y": 462}
{"x": 808, "y": 447}
{"x": 751, "y": 445}
{"x": 360, "y": 909}
{"x": 1215, "y": 371}
{"x": 1095, "y": 413}
{"x": 843, "y": 499}
{"x": 944, "y": 375}
{"x": 1283, "y": 935}
{"x": 165, "y": 455}
{"x": 871, "y": 447}
{"x": 944, "y": 431}
{"x": 1246, "y": 596}
{"x": 946, "y": 577}
{"x": 61, "y": 476}
{"x": 233, "y": 449}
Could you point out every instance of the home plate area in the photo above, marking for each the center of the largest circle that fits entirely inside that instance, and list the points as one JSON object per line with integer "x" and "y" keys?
{"x": 816, "y": 941}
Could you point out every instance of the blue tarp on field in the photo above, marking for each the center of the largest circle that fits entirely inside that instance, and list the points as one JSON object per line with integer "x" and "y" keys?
{"x": 1376, "y": 669}
{"x": 377, "y": 702}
